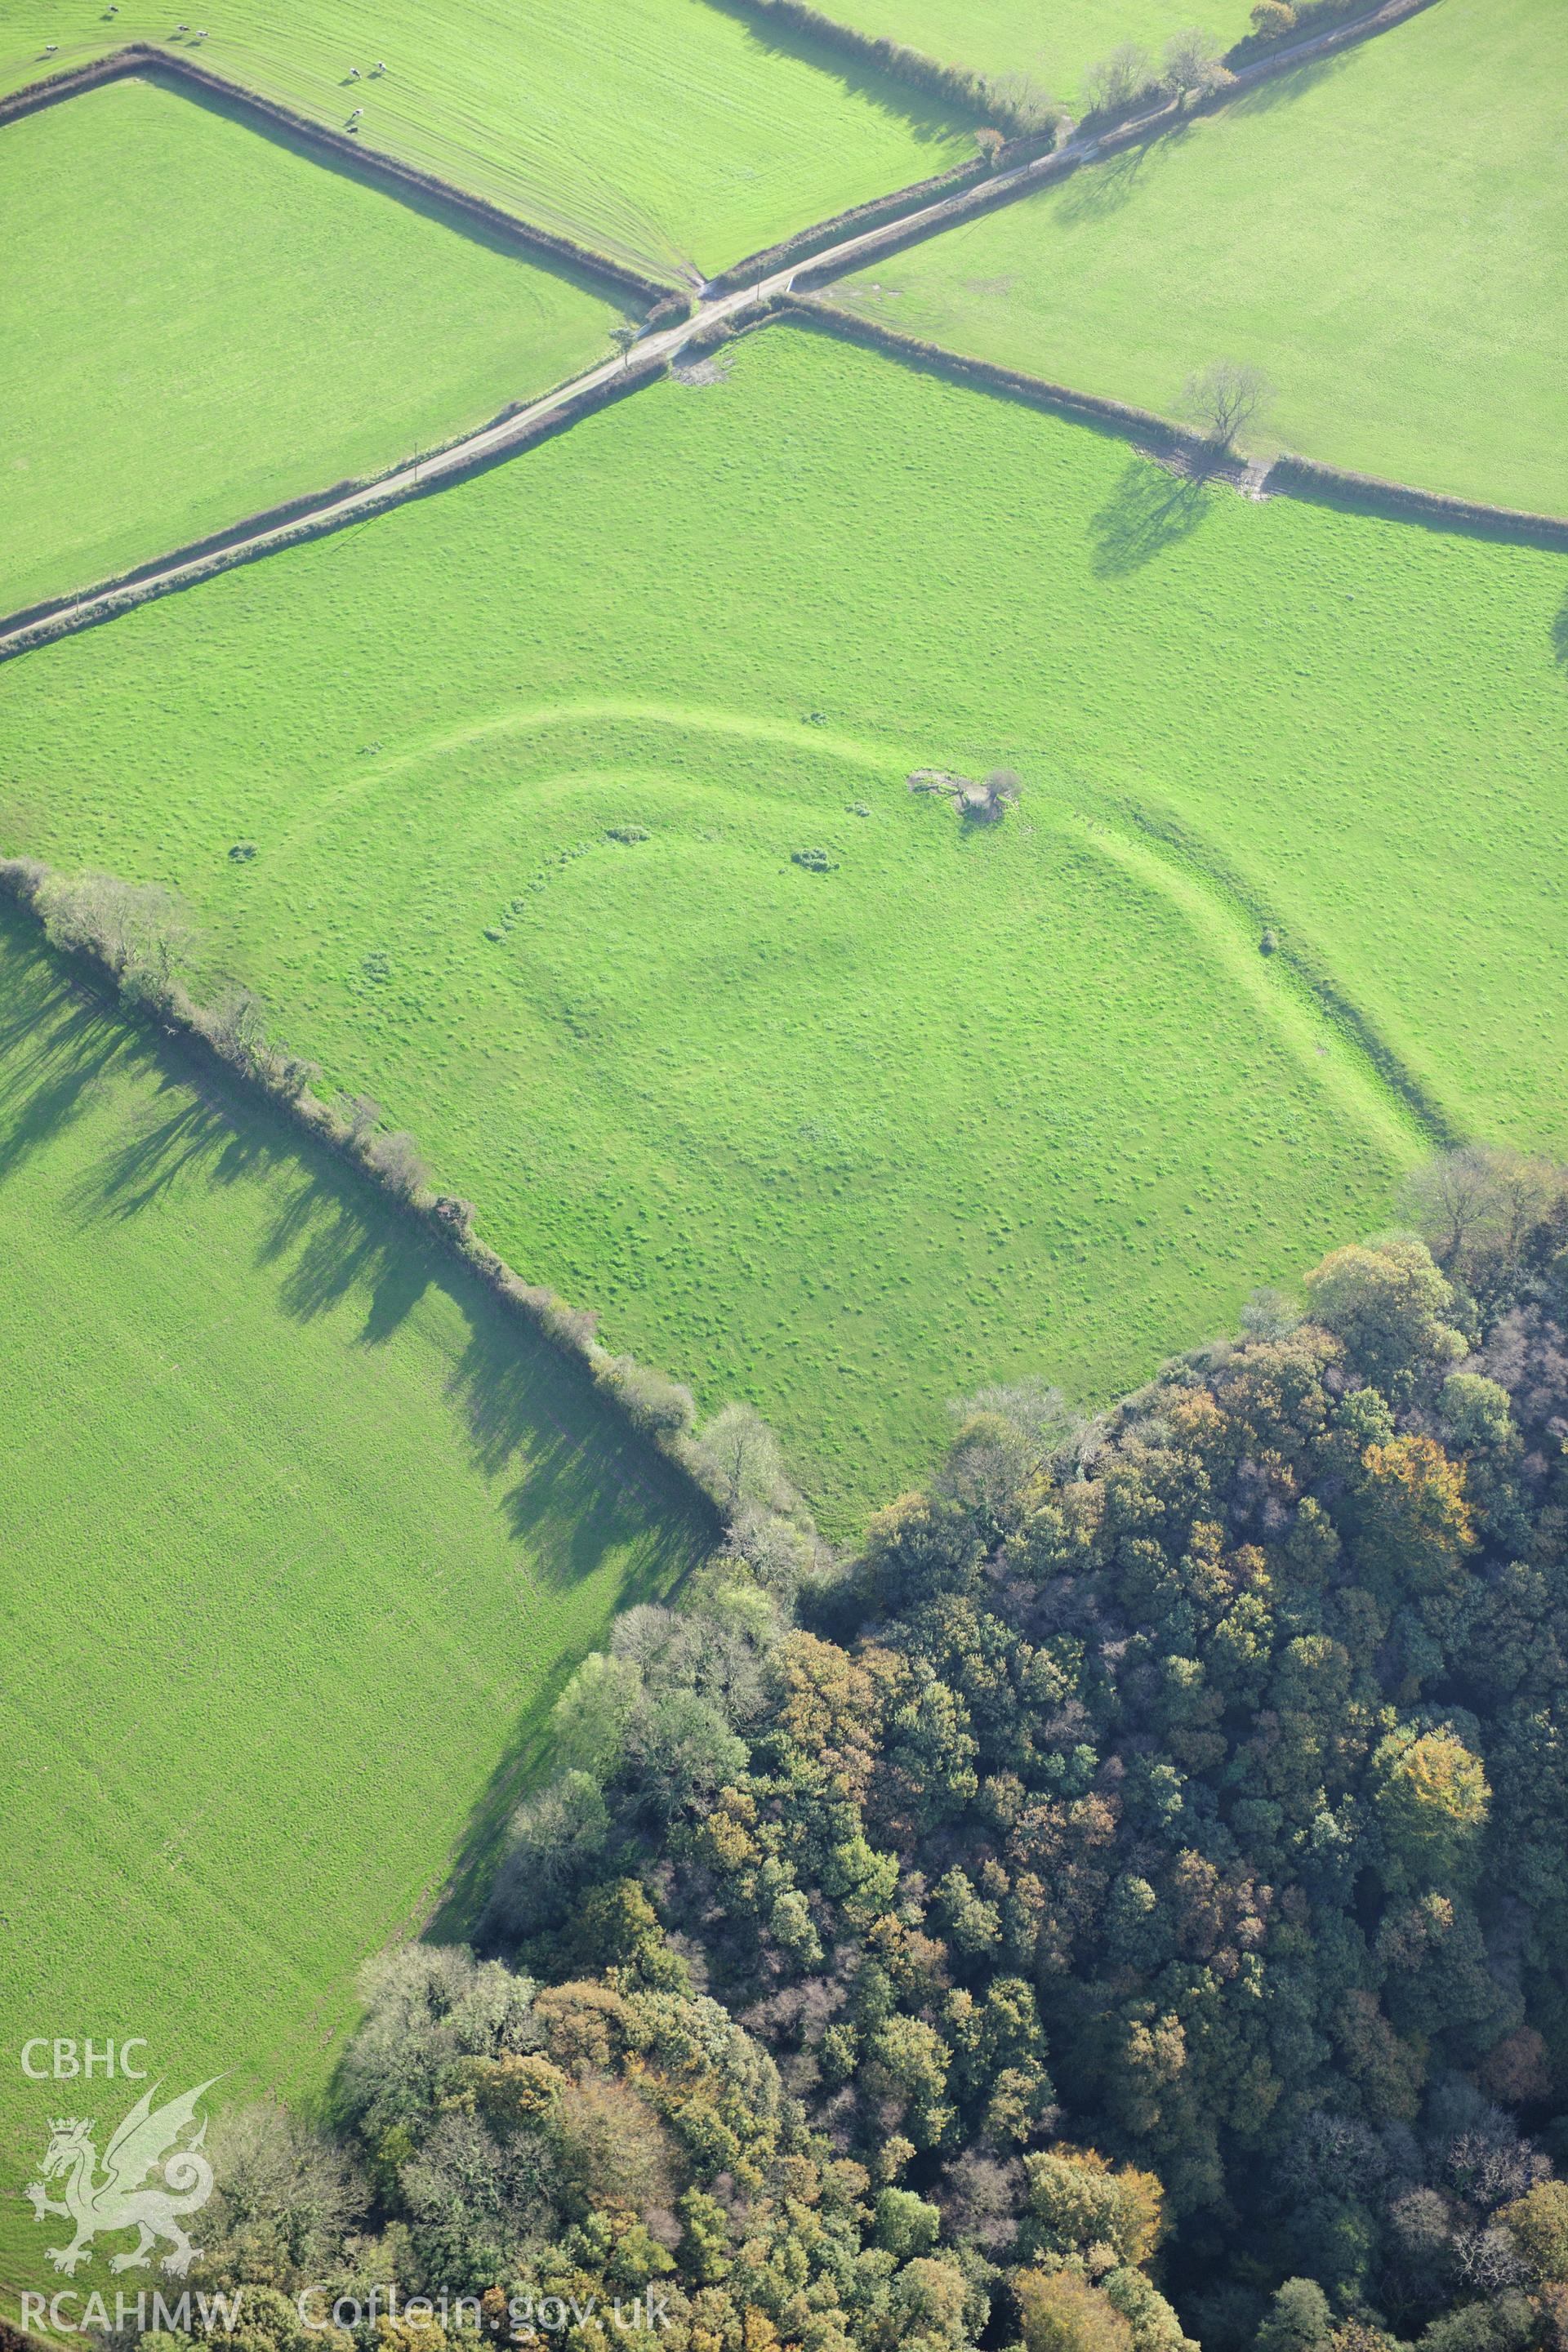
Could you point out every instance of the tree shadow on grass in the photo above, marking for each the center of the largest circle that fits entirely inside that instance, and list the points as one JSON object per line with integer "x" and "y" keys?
{"x": 58, "y": 1044}
{"x": 338, "y": 1246}
{"x": 324, "y": 1245}
{"x": 1285, "y": 89}
{"x": 668, "y": 1549}
{"x": 1099, "y": 189}
{"x": 527, "y": 1405}
{"x": 191, "y": 1137}
{"x": 581, "y": 1492}
{"x": 584, "y": 1487}
{"x": 1149, "y": 511}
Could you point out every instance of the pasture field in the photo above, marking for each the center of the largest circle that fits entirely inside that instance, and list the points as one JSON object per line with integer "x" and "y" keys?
{"x": 966, "y": 1103}
{"x": 670, "y": 133}
{"x": 300, "y": 1538}
{"x": 205, "y": 319}
{"x": 1054, "y": 46}
{"x": 1384, "y": 234}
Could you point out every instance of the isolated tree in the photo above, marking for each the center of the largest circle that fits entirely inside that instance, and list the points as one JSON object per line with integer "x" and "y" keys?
{"x": 1191, "y": 65}
{"x": 1115, "y": 84}
{"x": 624, "y": 336}
{"x": 1224, "y": 399}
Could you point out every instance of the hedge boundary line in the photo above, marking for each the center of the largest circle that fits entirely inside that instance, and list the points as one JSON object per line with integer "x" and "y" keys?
{"x": 1326, "y": 14}
{"x": 807, "y": 242}
{"x": 1289, "y": 475}
{"x": 440, "y": 1218}
{"x": 1303, "y": 479}
{"x": 1247, "y": 60}
{"x": 266, "y": 519}
{"x": 1089, "y": 143}
{"x": 25, "y": 631}
{"x": 189, "y": 551}
{"x": 1322, "y": 485}
{"x": 269, "y": 531}
{"x": 1080, "y": 407}
{"x": 146, "y": 58}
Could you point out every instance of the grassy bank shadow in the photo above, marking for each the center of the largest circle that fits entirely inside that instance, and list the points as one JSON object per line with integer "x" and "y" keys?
{"x": 932, "y": 119}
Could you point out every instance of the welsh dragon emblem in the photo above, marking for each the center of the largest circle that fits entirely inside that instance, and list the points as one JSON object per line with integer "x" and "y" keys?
{"x": 123, "y": 2196}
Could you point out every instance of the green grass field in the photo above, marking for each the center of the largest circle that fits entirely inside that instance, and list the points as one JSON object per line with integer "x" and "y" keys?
{"x": 964, "y": 1105}
{"x": 205, "y": 319}
{"x": 669, "y": 132}
{"x": 299, "y": 1535}
{"x": 1384, "y": 234}
{"x": 1053, "y": 44}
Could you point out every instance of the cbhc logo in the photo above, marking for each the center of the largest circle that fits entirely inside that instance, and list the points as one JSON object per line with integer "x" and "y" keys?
{"x": 63, "y": 2059}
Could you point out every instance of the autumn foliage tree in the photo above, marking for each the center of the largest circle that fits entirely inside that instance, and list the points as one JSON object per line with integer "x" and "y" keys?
{"x": 1123, "y": 1905}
